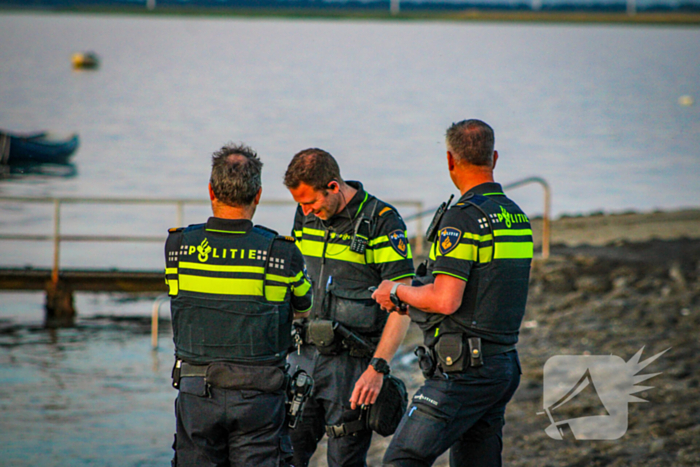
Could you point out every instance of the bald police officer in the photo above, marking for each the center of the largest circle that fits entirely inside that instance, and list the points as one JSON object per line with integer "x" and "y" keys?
{"x": 234, "y": 290}
{"x": 469, "y": 310}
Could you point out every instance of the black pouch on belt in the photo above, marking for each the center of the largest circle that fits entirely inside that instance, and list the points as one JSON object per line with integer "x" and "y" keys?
{"x": 235, "y": 376}
{"x": 321, "y": 333}
{"x": 450, "y": 353}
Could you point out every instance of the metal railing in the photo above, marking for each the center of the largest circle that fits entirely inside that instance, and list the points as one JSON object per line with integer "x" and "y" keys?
{"x": 57, "y": 238}
{"x": 546, "y": 232}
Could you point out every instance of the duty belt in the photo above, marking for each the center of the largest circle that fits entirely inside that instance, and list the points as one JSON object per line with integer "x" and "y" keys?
{"x": 232, "y": 376}
{"x": 187, "y": 370}
{"x": 451, "y": 355}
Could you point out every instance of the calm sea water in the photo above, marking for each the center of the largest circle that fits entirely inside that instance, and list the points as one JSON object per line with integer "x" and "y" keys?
{"x": 593, "y": 109}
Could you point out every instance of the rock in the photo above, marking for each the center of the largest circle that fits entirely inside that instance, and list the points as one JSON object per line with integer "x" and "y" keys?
{"x": 676, "y": 274}
{"x": 593, "y": 284}
{"x": 657, "y": 445}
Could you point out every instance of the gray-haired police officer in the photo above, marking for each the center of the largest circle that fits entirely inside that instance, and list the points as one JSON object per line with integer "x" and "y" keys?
{"x": 469, "y": 310}
{"x": 234, "y": 290}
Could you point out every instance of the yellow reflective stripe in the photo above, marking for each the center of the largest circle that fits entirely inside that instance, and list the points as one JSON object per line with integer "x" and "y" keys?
{"x": 316, "y": 232}
{"x": 311, "y": 248}
{"x": 485, "y": 254}
{"x": 333, "y": 251}
{"x": 511, "y": 250}
{"x": 301, "y": 290}
{"x": 477, "y": 237}
{"x": 388, "y": 254}
{"x": 218, "y": 268}
{"x": 277, "y": 278}
{"x": 513, "y": 233}
{"x": 275, "y": 293}
{"x": 221, "y": 285}
{"x": 297, "y": 233}
{"x": 171, "y": 270}
{"x": 433, "y": 249}
{"x": 378, "y": 240}
{"x": 462, "y": 251}
{"x": 172, "y": 286}
{"x": 343, "y": 253}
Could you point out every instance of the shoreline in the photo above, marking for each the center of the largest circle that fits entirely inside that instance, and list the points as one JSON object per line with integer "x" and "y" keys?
{"x": 665, "y": 18}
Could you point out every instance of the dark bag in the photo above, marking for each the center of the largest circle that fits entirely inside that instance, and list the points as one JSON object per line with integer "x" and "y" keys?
{"x": 385, "y": 414}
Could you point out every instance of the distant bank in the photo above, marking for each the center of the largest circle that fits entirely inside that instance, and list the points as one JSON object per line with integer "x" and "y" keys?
{"x": 569, "y": 13}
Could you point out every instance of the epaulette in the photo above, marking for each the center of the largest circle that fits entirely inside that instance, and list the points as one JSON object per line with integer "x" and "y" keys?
{"x": 176, "y": 229}
{"x": 384, "y": 211}
{"x": 266, "y": 229}
{"x": 472, "y": 200}
{"x": 286, "y": 238}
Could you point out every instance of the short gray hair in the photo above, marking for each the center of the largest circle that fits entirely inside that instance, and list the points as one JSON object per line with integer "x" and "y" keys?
{"x": 236, "y": 174}
{"x": 471, "y": 141}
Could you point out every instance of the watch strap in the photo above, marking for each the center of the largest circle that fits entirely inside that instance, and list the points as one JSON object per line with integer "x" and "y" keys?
{"x": 380, "y": 365}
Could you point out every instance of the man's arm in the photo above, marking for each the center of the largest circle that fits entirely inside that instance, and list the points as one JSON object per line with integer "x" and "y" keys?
{"x": 444, "y": 296}
{"x": 370, "y": 383}
{"x": 302, "y": 293}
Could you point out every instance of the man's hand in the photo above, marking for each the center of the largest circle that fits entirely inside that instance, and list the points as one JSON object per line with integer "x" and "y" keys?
{"x": 367, "y": 388}
{"x": 382, "y": 296}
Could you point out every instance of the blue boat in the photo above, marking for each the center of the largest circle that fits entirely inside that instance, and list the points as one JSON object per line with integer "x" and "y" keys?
{"x": 37, "y": 148}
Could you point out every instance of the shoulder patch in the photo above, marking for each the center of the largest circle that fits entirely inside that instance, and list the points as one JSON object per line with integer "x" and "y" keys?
{"x": 384, "y": 211}
{"x": 286, "y": 238}
{"x": 448, "y": 240}
{"x": 399, "y": 243}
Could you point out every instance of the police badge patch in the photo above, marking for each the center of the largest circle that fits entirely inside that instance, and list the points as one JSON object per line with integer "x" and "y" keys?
{"x": 448, "y": 239}
{"x": 398, "y": 241}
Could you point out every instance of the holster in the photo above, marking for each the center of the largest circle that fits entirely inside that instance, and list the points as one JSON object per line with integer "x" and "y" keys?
{"x": 425, "y": 361}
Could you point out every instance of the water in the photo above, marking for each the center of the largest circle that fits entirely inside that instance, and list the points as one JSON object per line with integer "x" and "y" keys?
{"x": 90, "y": 395}
{"x": 593, "y": 109}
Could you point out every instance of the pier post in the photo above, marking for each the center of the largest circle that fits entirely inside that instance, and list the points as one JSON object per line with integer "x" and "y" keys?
{"x": 60, "y": 311}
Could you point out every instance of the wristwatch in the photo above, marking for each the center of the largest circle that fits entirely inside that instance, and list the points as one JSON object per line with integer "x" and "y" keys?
{"x": 380, "y": 365}
{"x": 395, "y": 299}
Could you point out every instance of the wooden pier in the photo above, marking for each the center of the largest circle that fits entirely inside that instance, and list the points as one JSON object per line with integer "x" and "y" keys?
{"x": 59, "y": 283}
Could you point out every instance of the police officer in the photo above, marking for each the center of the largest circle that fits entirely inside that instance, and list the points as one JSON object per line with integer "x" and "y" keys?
{"x": 351, "y": 241}
{"x": 234, "y": 290}
{"x": 469, "y": 310}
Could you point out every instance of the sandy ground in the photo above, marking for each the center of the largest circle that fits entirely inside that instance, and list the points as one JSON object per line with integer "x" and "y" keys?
{"x": 614, "y": 284}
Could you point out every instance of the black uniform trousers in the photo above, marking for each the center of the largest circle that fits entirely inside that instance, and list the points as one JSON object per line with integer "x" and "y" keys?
{"x": 334, "y": 380}
{"x": 230, "y": 427}
{"x": 463, "y": 412}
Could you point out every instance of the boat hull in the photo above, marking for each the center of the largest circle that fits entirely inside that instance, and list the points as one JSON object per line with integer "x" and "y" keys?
{"x": 37, "y": 149}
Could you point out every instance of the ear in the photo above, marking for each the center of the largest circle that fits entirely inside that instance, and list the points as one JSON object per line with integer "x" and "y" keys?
{"x": 495, "y": 158}
{"x": 334, "y": 186}
{"x": 212, "y": 196}
{"x": 451, "y": 162}
{"x": 256, "y": 201}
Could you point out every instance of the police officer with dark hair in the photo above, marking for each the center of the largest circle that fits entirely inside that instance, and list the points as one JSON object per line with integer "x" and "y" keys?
{"x": 351, "y": 241}
{"x": 469, "y": 306}
{"x": 235, "y": 289}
